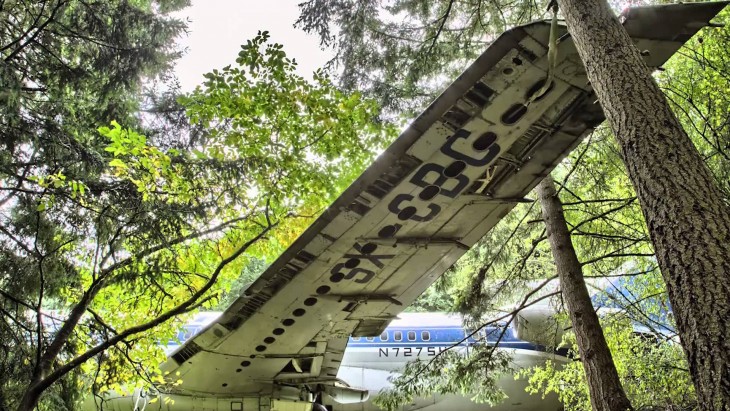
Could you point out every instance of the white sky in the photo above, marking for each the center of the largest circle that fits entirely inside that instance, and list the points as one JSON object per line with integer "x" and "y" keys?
{"x": 217, "y": 28}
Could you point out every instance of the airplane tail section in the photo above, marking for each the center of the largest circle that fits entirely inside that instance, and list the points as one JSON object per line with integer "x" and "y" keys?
{"x": 540, "y": 325}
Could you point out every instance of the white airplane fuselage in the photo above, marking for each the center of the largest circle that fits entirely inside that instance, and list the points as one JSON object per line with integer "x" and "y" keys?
{"x": 368, "y": 362}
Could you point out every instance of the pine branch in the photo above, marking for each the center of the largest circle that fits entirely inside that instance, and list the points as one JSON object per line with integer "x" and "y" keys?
{"x": 615, "y": 255}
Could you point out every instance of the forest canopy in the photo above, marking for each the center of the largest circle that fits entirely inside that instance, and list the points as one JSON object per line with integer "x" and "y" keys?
{"x": 126, "y": 204}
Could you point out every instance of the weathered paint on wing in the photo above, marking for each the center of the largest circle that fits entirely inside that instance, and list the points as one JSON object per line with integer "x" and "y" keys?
{"x": 460, "y": 167}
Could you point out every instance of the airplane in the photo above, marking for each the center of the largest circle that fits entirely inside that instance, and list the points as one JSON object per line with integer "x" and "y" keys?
{"x": 453, "y": 173}
{"x": 368, "y": 362}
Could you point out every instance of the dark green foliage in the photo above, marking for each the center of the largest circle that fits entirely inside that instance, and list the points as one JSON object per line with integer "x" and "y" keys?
{"x": 249, "y": 273}
{"x": 653, "y": 371}
{"x": 66, "y": 68}
{"x": 122, "y": 231}
{"x": 404, "y": 52}
{"x": 436, "y": 298}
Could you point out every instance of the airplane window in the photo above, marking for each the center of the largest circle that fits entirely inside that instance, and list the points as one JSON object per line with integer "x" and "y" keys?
{"x": 370, "y": 338}
{"x": 398, "y": 336}
{"x": 425, "y": 335}
{"x": 384, "y": 336}
{"x": 411, "y": 336}
{"x": 355, "y": 338}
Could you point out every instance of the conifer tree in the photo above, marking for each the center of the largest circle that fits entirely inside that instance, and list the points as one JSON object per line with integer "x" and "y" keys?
{"x": 607, "y": 394}
{"x": 686, "y": 212}
{"x": 438, "y": 27}
{"x": 109, "y": 227}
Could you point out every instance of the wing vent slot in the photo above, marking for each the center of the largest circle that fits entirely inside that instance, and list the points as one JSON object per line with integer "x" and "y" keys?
{"x": 289, "y": 271}
{"x": 358, "y": 207}
{"x": 380, "y": 188}
{"x": 186, "y": 352}
{"x": 527, "y": 141}
{"x": 292, "y": 268}
{"x": 253, "y": 304}
{"x": 455, "y": 118}
{"x": 525, "y": 52}
{"x": 305, "y": 257}
{"x": 278, "y": 281}
{"x": 479, "y": 95}
{"x": 250, "y": 308}
{"x": 391, "y": 178}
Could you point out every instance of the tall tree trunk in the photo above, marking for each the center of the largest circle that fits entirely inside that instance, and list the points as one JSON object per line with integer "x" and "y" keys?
{"x": 688, "y": 220}
{"x": 38, "y": 382}
{"x": 605, "y": 388}
{"x": 30, "y": 399}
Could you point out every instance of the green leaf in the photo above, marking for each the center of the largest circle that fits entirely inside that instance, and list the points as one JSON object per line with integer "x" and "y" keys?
{"x": 118, "y": 163}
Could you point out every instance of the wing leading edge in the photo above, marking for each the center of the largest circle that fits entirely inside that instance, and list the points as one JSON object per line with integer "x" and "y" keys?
{"x": 460, "y": 167}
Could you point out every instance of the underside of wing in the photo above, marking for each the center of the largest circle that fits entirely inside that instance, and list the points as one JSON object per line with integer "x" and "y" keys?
{"x": 460, "y": 167}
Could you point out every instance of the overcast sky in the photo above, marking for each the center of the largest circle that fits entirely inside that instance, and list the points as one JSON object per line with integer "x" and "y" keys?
{"x": 219, "y": 27}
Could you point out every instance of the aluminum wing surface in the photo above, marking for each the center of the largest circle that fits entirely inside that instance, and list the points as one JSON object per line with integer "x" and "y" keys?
{"x": 460, "y": 167}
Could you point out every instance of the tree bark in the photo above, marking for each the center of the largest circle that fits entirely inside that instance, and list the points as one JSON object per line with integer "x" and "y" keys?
{"x": 604, "y": 386}
{"x": 687, "y": 216}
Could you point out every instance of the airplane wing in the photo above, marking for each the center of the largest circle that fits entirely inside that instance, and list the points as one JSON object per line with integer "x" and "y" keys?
{"x": 460, "y": 167}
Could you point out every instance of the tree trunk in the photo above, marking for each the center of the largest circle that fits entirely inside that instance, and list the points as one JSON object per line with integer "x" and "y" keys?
{"x": 30, "y": 398}
{"x": 688, "y": 219}
{"x": 604, "y": 386}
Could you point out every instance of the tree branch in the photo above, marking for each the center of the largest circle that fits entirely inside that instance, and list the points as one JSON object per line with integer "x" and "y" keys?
{"x": 181, "y": 308}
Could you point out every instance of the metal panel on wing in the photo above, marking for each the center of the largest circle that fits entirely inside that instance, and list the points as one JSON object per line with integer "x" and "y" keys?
{"x": 473, "y": 154}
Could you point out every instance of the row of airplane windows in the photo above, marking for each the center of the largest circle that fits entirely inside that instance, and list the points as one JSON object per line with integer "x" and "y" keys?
{"x": 397, "y": 336}
{"x": 451, "y": 335}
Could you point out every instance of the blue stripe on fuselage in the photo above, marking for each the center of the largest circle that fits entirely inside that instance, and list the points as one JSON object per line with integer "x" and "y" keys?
{"x": 444, "y": 336}
{"x": 439, "y": 337}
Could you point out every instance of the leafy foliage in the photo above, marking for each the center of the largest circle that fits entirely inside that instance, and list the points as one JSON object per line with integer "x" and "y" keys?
{"x": 405, "y": 51}
{"x": 67, "y": 67}
{"x": 259, "y": 107}
{"x": 652, "y": 370}
{"x": 121, "y": 232}
{"x": 697, "y": 83}
{"x": 230, "y": 291}
{"x": 473, "y": 373}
